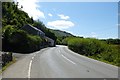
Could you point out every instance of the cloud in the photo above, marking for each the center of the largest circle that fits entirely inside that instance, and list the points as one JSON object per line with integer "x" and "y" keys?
{"x": 60, "y": 24}
{"x": 63, "y": 16}
{"x": 31, "y": 7}
{"x": 90, "y": 35}
{"x": 50, "y": 15}
{"x": 94, "y": 35}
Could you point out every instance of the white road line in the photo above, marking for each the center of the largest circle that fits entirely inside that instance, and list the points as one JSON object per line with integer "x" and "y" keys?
{"x": 68, "y": 59}
{"x": 32, "y": 57}
{"x": 34, "y": 54}
{"x": 59, "y": 51}
{"x": 29, "y": 70}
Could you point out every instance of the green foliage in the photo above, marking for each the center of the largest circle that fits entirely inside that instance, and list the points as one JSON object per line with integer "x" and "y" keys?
{"x": 65, "y": 41}
{"x": 13, "y": 16}
{"x": 16, "y": 40}
{"x": 59, "y": 40}
{"x": 19, "y": 41}
{"x": 94, "y": 48}
{"x": 47, "y": 31}
{"x": 112, "y": 41}
{"x": 7, "y": 30}
{"x": 34, "y": 42}
{"x": 60, "y": 35}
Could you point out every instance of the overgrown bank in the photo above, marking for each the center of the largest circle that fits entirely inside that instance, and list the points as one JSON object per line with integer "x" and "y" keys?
{"x": 17, "y": 40}
{"x": 94, "y": 48}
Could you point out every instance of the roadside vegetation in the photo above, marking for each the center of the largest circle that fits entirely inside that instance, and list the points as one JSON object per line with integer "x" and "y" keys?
{"x": 17, "y": 40}
{"x": 94, "y": 48}
{"x": 8, "y": 64}
{"x": 7, "y": 60}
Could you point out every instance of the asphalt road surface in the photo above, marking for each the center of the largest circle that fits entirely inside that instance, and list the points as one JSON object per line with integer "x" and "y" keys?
{"x": 58, "y": 62}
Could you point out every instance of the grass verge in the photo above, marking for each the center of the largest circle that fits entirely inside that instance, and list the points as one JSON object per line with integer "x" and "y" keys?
{"x": 7, "y": 65}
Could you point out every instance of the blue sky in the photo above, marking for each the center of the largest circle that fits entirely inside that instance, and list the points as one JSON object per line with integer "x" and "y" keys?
{"x": 87, "y": 19}
{"x": 90, "y": 19}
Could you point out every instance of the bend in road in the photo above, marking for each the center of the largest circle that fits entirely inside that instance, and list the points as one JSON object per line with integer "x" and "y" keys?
{"x": 59, "y": 62}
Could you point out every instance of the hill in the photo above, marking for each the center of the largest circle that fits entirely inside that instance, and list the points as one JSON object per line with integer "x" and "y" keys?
{"x": 59, "y": 33}
{"x": 17, "y": 40}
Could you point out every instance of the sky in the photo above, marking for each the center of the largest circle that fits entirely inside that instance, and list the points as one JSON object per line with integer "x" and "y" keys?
{"x": 87, "y": 19}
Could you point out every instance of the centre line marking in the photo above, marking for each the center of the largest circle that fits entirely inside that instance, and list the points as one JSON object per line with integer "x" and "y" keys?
{"x": 29, "y": 70}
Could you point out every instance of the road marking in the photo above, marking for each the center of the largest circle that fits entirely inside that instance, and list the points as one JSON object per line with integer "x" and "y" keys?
{"x": 59, "y": 51}
{"x": 29, "y": 70}
{"x": 32, "y": 57}
{"x": 68, "y": 59}
{"x": 34, "y": 54}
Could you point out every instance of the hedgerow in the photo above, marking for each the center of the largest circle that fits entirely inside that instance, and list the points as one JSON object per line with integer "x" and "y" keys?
{"x": 94, "y": 48}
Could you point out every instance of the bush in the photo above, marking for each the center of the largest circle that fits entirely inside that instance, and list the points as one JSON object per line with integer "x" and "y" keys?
{"x": 95, "y": 48}
{"x": 87, "y": 47}
{"x": 65, "y": 41}
{"x": 34, "y": 42}
{"x": 19, "y": 41}
{"x": 23, "y": 42}
{"x": 111, "y": 55}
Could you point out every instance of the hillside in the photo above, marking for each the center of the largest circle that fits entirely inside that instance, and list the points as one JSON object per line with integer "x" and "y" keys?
{"x": 59, "y": 33}
{"x": 17, "y": 40}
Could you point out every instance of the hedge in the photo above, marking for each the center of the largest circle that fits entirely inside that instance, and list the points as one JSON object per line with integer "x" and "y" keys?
{"x": 95, "y": 48}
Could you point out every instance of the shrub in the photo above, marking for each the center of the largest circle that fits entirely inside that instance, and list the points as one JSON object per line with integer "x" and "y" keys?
{"x": 87, "y": 47}
{"x": 65, "y": 41}
{"x": 95, "y": 48}
{"x": 19, "y": 40}
{"x": 34, "y": 42}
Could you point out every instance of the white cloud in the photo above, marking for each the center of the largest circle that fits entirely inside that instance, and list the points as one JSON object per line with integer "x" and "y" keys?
{"x": 90, "y": 35}
{"x": 31, "y": 7}
{"x": 60, "y": 24}
{"x": 94, "y": 35}
{"x": 50, "y": 15}
{"x": 63, "y": 16}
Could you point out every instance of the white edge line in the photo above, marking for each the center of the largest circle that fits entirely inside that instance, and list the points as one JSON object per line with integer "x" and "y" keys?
{"x": 32, "y": 57}
{"x": 87, "y": 58}
{"x": 29, "y": 70}
{"x": 68, "y": 59}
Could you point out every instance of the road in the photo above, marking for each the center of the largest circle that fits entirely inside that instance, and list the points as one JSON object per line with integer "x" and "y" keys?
{"x": 59, "y": 62}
